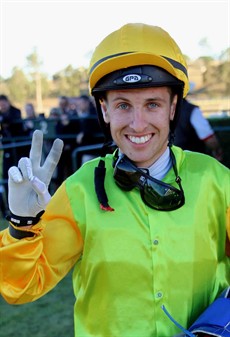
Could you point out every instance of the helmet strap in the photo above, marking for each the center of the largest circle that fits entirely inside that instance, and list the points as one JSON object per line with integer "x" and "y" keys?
{"x": 171, "y": 138}
{"x": 99, "y": 178}
{"x": 105, "y": 127}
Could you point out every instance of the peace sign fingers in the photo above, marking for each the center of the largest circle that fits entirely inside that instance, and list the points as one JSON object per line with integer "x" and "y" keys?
{"x": 45, "y": 172}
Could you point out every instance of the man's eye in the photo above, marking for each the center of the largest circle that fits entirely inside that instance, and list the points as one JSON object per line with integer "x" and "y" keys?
{"x": 152, "y": 105}
{"x": 123, "y": 106}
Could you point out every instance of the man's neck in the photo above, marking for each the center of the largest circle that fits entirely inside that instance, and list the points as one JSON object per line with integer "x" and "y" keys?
{"x": 161, "y": 167}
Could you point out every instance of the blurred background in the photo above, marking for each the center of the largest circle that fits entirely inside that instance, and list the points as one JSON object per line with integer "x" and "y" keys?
{"x": 45, "y": 50}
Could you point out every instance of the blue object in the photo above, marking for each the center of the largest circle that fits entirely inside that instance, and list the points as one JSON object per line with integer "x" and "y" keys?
{"x": 214, "y": 321}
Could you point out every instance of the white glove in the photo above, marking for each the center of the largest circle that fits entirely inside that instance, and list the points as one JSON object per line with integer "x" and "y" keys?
{"x": 28, "y": 183}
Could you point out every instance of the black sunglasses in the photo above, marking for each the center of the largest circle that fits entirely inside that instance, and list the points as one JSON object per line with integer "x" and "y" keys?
{"x": 155, "y": 193}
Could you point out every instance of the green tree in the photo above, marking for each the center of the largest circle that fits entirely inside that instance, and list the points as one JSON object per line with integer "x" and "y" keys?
{"x": 70, "y": 82}
{"x": 18, "y": 86}
{"x": 34, "y": 64}
{"x": 3, "y": 87}
{"x": 223, "y": 71}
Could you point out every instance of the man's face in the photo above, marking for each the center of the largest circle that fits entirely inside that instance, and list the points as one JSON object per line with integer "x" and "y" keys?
{"x": 139, "y": 121}
{"x": 4, "y": 105}
{"x": 63, "y": 103}
{"x": 83, "y": 105}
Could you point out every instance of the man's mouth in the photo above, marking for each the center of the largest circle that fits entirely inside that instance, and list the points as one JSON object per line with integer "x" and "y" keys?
{"x": 140, "y": 140}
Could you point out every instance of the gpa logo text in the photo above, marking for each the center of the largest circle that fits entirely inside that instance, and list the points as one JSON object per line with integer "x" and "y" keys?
{"x": 131, "y": 78}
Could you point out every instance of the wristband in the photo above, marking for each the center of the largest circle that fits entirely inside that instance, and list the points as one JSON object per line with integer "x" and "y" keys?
{"x": 19, "y": 233}
{"x": 20, "y": 221}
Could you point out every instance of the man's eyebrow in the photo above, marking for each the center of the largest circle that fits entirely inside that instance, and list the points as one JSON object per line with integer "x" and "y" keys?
{"x": 156, "y": 98}
{"x": 120, "y": 98}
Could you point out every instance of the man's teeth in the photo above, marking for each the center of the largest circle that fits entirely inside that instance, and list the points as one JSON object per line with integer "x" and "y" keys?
{"x": 139, "y": 140}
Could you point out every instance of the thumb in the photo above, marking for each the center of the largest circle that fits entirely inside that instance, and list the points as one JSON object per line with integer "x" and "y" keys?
{"x": 41, "y": 189}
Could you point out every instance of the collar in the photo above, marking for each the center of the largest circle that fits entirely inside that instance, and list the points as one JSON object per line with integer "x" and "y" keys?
{"x": 160, "y": 168}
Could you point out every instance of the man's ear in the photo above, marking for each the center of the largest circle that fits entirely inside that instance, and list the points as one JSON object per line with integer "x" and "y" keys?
{"x": 104, "y": 110}
{"x": 173, "y": 107}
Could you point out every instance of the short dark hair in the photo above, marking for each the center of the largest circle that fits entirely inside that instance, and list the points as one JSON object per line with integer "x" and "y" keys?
{"x": 85, "y": 97}
{"x": 4, "y": 98}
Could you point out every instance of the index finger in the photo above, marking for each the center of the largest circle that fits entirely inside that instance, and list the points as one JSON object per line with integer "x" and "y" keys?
{"x": 36, "y": 148}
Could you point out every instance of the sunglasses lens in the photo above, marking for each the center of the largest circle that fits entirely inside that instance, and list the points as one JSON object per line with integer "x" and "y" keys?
{"x": 161, "y": 196}
{"x": 123, "y": 179}
{"x": 125, "y": 175}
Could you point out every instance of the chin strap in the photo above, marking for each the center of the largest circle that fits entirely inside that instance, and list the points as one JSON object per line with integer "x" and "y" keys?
{"x": 99, "y": 179}
{"x": 171, "y": 138}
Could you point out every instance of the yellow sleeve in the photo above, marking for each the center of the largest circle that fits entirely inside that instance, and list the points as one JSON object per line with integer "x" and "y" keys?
{"x": 32, "y": 266}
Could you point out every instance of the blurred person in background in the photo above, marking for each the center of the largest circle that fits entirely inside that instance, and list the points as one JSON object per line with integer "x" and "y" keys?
{"x": 3, "y": 201}
{"x": 30, "y": 111}
{"x": 62, "y": 107}
{"x": 72, "y": 109}
{"x": 194, "y": 132}
{"x": 11, "y": 126}
{"x": 67, "y": 129}
{"x": 30, "y": 117}
{"x": 89, "y": 124}
{"x": 11, "y": 129}
{"x": 85, "y": 106}
{"x": 84, "y": 113}
{"x": 28, "y": 125}
{"x": 63, "y": 104}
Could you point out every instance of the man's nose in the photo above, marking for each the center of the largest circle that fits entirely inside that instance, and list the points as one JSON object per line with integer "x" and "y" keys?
{"x": 138, "y": 122}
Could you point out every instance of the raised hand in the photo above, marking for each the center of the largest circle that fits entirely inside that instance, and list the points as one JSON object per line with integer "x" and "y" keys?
{"x": 28, "y": 183}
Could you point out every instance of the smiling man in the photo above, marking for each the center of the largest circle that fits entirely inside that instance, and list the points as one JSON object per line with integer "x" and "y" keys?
{"x": 146, "y": 228}
{"x": 139, "y": 121}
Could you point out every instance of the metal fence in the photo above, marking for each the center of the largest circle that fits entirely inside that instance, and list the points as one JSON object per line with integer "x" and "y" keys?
{"x": 47, "y": 126}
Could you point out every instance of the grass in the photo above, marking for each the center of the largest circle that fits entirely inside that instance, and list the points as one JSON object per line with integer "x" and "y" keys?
{"x": 50, "y": 316}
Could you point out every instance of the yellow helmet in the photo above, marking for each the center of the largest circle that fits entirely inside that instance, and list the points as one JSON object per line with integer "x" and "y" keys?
{"x": 137, "y": 44}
